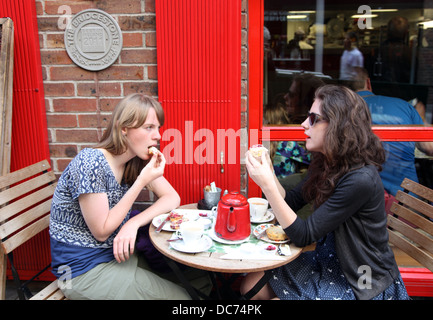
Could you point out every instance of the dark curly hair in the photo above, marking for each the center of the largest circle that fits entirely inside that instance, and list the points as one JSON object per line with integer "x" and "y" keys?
{"x": 349, "y": 142}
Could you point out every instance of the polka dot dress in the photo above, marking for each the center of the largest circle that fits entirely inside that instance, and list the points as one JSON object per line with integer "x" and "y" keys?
{"x": 316, "y": 275}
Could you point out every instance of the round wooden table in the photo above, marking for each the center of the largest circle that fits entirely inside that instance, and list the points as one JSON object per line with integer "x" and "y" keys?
{"x": 211, "y": 261}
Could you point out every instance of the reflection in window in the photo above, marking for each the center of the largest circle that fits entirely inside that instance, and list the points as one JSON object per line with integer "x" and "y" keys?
{"x": 392, "y": 44}
{"x": 292, "y": 107}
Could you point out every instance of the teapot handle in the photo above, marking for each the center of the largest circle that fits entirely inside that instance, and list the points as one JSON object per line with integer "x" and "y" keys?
{"x": 231, "y": 221}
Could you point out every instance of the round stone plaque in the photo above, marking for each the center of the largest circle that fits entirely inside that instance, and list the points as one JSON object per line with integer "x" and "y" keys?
{"x": 93, "y": 39}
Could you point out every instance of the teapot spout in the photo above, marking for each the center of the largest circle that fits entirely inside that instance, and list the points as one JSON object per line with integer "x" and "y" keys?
{"x": 231, "y": 220}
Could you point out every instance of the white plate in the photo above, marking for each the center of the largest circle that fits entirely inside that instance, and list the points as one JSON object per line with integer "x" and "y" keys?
{"x": 214, "y": 237}
{"x": 269, "y": 216}
{"x": 191, "y": 214}
{"x": 262, "y": 227}
{"x": 204, "y": 244}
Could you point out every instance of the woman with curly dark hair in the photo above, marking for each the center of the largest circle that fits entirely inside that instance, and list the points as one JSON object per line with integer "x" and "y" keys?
{"x": 352, "y": 259}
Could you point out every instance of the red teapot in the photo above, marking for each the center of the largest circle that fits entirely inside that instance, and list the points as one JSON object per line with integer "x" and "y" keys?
{"x": 233, "y": 217}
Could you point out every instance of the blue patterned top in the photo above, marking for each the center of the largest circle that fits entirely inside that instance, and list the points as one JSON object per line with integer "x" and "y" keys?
{"x": 288, "y": 157}
{"x": 72, "y": 243}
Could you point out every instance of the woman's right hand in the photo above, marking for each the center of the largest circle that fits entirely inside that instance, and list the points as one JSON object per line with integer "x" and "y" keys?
{"x": 155, "y": 167}
{"x": 260, "y": 172}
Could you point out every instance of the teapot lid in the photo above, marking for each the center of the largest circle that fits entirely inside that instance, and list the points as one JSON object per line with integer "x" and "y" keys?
{"x": 234, "y": 199}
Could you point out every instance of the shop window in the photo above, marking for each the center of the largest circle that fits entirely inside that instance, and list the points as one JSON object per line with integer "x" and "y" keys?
{"x": 392, "y": 43}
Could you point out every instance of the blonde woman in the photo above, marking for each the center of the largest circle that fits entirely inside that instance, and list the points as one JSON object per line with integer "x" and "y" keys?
{"x": 92, "y": 237}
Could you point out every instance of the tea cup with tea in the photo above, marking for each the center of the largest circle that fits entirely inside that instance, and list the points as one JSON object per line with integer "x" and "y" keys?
{"x": 258, "y": 208}
{"x": 192, "y": 232}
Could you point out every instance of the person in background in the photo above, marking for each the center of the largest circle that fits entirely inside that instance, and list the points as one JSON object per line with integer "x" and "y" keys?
{"x": 394, "y": 53}
{"x": 90, "y": 230}
{"x": 299, "y": 48}
{"x": 400, "y": 156}
{"x": 351, "y": 57}
{"x": 352, "y": 259}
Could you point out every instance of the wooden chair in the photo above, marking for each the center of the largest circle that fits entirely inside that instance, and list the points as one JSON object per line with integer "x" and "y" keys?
{"x": 411, "y": 227}
{"x": 25, "y": 201}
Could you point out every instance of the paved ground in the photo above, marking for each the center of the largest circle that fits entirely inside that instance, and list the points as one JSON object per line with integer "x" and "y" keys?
{"x": 35, "y": 286}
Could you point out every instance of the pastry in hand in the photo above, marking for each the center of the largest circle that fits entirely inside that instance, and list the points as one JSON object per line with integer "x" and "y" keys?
{"x": 257, "y": 150}
{"x": 153, "y": 150}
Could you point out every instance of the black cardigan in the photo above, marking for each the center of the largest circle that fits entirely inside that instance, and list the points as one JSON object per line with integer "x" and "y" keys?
{"x": 355, "y": 212}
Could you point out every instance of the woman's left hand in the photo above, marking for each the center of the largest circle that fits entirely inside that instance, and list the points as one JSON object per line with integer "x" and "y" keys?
{"x": 124, "y": 242}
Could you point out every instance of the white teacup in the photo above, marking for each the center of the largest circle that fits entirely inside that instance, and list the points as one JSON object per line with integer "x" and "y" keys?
{"x": 258, "y": 208}
{"x": 191, "y": 231}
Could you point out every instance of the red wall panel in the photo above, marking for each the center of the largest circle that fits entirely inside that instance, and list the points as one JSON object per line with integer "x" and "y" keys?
{"x": 199, "y": 87}
{"x": 29, "y": 128}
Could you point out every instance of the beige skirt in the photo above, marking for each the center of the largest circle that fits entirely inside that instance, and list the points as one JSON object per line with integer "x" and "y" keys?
{"x": 130, "y": 280}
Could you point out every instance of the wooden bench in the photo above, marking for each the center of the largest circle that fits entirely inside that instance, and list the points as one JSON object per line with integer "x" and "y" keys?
{"x": 410, "y": 229}
{"x": 25, "y": 202}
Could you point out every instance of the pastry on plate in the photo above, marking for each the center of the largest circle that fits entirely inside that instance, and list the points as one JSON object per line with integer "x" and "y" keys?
{"x": 176, "y": 219}
{"x": 276, "y": 233}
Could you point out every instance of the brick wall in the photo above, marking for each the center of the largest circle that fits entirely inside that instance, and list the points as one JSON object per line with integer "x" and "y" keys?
{"x": 79, "y": 102}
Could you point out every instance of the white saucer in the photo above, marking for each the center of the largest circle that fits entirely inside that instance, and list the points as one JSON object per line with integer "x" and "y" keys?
{"x": 269, "y": 216}
{"x": 214, "y": 237}
{"x": 204, "y": 244}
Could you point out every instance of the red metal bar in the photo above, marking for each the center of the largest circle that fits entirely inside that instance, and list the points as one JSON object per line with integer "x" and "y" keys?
{"x": 418, "y": 281}
{"x": 385, "y": 133}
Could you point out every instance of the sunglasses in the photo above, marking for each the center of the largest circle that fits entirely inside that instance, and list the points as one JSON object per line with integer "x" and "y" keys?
{"x": 313, "y": 118}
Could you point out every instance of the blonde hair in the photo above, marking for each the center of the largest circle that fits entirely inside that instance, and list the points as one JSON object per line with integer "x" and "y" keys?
{"x": 130, "y": 112}
{"x": 276, "y": 114}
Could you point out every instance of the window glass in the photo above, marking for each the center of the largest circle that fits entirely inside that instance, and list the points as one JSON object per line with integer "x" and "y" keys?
{"x": 322, "y": 41}
{"x": 375, "y": 49}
